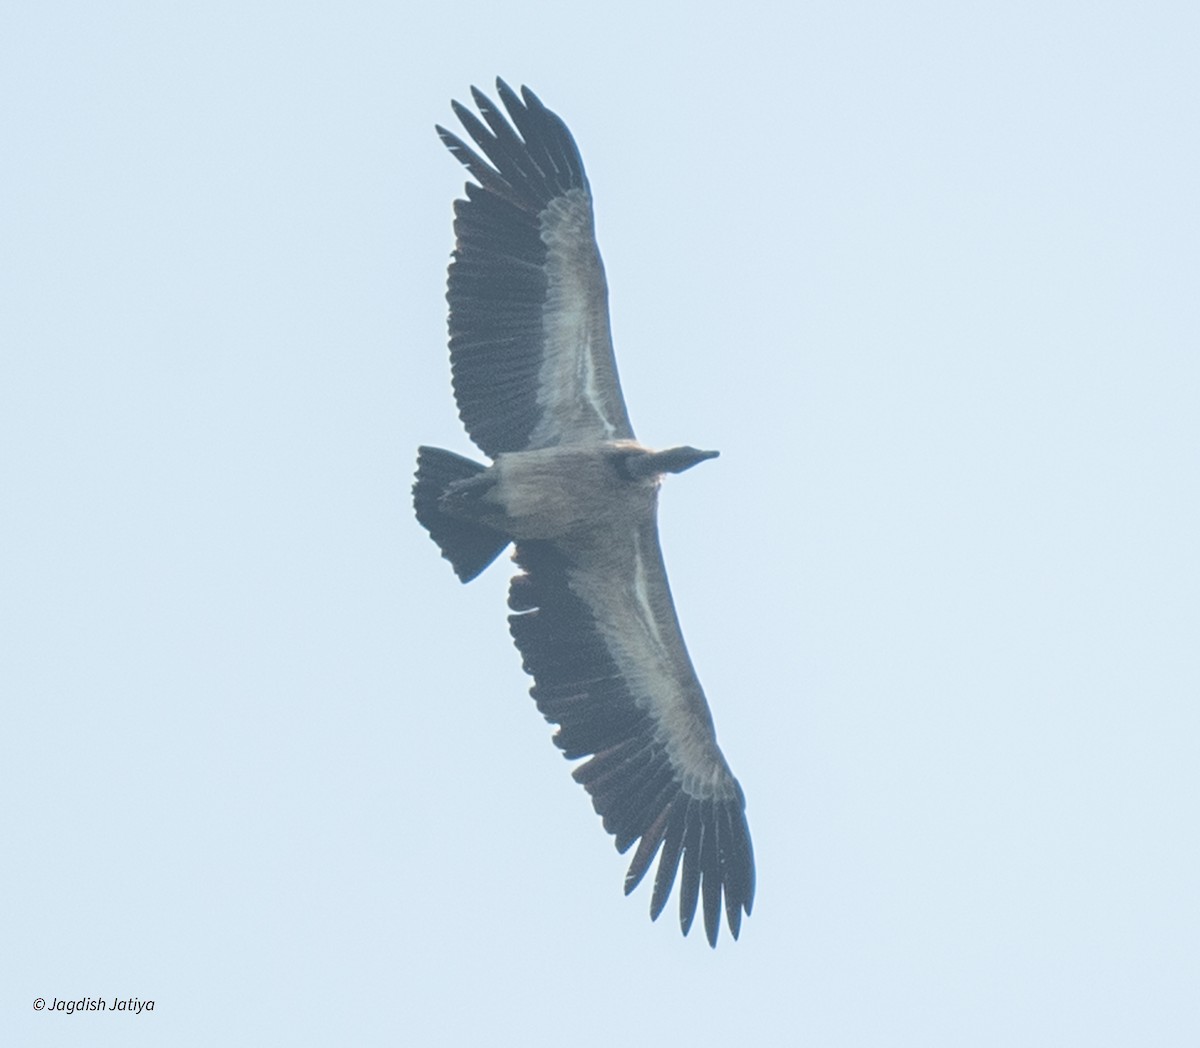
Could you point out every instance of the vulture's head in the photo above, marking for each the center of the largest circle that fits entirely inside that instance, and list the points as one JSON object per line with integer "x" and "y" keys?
{"x": 641, "y": 464}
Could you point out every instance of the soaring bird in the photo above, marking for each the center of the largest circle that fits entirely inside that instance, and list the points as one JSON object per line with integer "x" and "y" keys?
{"x": 537, "y": 390}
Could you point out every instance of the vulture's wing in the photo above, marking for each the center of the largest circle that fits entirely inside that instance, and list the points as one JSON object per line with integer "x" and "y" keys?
{"x": 598, "y": 632}
{"x": 530, "y": 346}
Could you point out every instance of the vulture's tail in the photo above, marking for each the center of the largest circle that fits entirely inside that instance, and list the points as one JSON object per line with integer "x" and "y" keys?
{"x": 468, "y": 547}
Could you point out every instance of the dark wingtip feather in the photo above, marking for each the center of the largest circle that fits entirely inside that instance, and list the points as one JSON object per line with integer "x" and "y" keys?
{"x": 507, "y": 95}
{"x": 710, "y": 870}
{"x": 733, "y": 914}
{"x": 689, "y": 882}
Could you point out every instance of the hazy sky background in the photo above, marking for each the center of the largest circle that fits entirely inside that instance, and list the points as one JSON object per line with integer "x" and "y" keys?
{"x": 927, "y": 274}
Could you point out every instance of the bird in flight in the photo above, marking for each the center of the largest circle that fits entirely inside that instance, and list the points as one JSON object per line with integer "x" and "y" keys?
{"x": 569, "y": 486}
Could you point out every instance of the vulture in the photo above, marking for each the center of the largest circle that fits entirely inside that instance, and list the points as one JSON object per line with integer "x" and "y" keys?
{"x": 576, "y": 495}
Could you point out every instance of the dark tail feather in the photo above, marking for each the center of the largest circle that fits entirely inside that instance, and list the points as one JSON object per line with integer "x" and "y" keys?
{"x": 468, "y": 547}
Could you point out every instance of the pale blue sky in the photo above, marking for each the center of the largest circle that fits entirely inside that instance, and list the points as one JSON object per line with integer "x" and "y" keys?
{"x": 926, "y": 274}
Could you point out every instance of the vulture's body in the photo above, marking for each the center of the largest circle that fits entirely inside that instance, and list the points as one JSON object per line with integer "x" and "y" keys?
{"x": 537, "y": 389}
